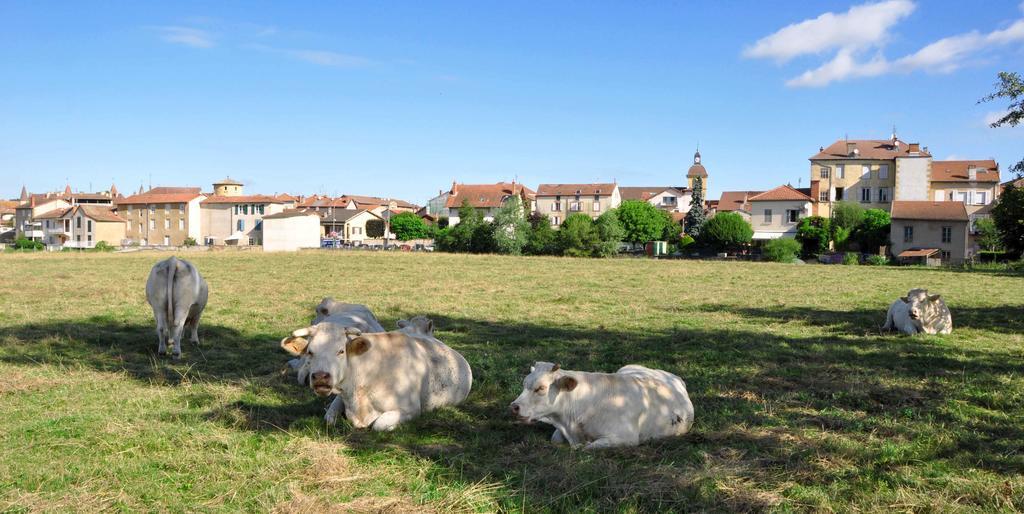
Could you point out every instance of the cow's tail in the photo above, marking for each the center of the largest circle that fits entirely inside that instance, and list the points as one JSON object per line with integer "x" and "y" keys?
{"x": 172, "y": 266}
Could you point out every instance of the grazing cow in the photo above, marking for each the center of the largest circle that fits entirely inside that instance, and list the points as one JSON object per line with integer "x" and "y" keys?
{"x": 418, "y": 325}
{"x": 178, "y": 294}
{"x": 919, "y": 312}
{"x": 603, "y": 410}
{"x": 383, "y": 379}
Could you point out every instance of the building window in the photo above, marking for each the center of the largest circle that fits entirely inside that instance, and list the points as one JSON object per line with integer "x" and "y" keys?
{"x": 981, "y": 197}
{"x": 555, "y": 221}
{"x": 883, "y": 194}
{"x": 236, "y": 209}
{"x": 152, "y": 224}
{"x": 245, "y": 208}
{"x": 152, "y": 207}
{"x": 841, "y": 170}
{"x": 556, "y": 206}
{"x": 946, "y": 255}
{"x": 88, "y": 238}
{"x": 792, "y": 215}
{"x": 181, "y": 224}
{"x": 167, "y": 240}
{"x": 823, "y": 196}
{"x": 241, "y": 225}
{"x": 824, "y": 172}
{"x": 865, "y": 195}
{"x": 964, "y": 196}
{"x": 78, "y": 222}
{"x": 908, "y": 234}
{"x": 597, "y": 198}
{"x": 597, "y": 206}
{"x": 668, "y": 200}
{"x": 140, "y": 227}
{"x": 167, "y": 208}
{"x": 865, "y": 171}
{"x": 181, "y": 207}
{"x": 839, "y": 194}
{"x": 167, "y": 223}
{"x": 261, "y": 206}
{"x": 947, "y": 234}
{"x": 574, "y": 206}
{"x": 88, "y": 225}
{"x": 767, "y": 216}
{"x": 259, "y": 225}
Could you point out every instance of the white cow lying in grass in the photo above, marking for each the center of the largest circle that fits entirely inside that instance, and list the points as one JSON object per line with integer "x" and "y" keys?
{"x": 384, "y": 378}
{"x": 919, "y": 312}
{"x": 603, "y": 410}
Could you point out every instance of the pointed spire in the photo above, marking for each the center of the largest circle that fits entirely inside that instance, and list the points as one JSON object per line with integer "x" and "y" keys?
{"x": 696, "y": 156}
{"x": 141, "y": 190}
{"x": 67, "y": 189}
{"x": 113, "y": 191}
{"x": 24, "y": 193}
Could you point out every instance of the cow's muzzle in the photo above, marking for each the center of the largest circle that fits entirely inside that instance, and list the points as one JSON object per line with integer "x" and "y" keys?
{"x": 321, "y": 383}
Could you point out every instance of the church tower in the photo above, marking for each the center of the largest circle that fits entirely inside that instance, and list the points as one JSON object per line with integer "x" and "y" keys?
{"x": 697, "y": 170}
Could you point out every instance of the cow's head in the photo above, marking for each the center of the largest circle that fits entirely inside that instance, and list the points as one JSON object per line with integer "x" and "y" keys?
{"x": 542, "y": 390}
{"x": 323, "y": 309}
{"x": 418, "y": 325}
{"x": 323, "y": 348}
{"x": 921, "y": 305}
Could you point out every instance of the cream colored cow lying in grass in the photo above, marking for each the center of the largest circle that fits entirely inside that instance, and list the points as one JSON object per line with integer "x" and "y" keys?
{"x": 603, "y": 410}
{"x": 383, "y": 378}
{"x": 919, "y": 312}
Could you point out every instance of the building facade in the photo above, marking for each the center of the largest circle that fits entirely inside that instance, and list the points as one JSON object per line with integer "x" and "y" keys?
{"x": 162, "y": 216}
{"x": 927, "y": 229}
{"x": 776, "y": 213}
{"x": 559, "y": 201}
{"x": 866, "y": 170}
{"x": 486, "y": 199}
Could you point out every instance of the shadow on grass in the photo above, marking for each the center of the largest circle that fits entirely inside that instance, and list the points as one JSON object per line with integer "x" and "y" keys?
{"x": 771, "y": 411}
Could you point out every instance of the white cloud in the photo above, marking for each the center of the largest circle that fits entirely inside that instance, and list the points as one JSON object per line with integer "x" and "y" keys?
{"x": 328, "y": 58}
{"x": 994, "y": 116}
{"x": 863, "y": 26}
{"x": 188, "y": 36}
{"x": 830, "y": 32}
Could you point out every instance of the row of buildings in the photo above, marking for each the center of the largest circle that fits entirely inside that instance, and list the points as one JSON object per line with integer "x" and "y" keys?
{"x": 933, "y": 204}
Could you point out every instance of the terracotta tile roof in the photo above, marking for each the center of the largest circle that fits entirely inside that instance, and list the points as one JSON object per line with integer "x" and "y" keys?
{"x": 868, "y": 149}
{"x": 645, "y": 193}
{"x": 924, "y": 252}
{"x": 926, "y": 210}
{"x": 290, "y": 213}
{"x": 53, "y": 214}
{"x": 162, "y": 195}
{"x": 323, "y": 201}
{"x": 736, "y": 200}
{"x": 373, "y": 200}
{"x": 343, "y": 215}
{"x": 483, "y": 196}
{"x": 781, "y": 193}
{"x": 575, "y": 189}
{"x": 1016, "y": 183}
{"x": 697, "y": 170}
{"x": 97, "y": 213}
{"x": 956, "y": 171}
{"x": 218, "y": 199}
{"x": 285, "y": 197}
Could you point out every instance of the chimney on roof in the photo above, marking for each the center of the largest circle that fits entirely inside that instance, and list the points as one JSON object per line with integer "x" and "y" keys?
{"x": 851, "y": 149}
{"x": 915, "y": 148}
{"x": 455, "y": 188}
{"x": 972, "y": 172}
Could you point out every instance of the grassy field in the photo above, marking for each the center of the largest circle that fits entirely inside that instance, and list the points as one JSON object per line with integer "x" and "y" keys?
{"x": 800, "y": 403}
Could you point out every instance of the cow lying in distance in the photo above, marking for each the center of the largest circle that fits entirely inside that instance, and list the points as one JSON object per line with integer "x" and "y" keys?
{"x": 919, "y": 312}
{"x": 417, "y": 325}
{"x": 177, "y": 293}
{"x": 603, "y": 410}
{"x": 385, "y": 378}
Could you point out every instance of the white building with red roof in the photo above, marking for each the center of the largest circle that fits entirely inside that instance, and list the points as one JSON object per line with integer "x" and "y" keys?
{"x": 776, "y": 213}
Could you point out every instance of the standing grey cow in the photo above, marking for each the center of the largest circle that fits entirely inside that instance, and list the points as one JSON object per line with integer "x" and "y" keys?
{"x": 919, "y": 312}
{"x": 178, "y": 296}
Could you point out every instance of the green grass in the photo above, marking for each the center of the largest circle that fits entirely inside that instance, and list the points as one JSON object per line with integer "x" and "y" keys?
{"x": 800, "y": 403}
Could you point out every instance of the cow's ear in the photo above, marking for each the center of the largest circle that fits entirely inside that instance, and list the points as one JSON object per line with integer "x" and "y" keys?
{"x": 352, "y": 333}
{"x": 430, "y": 326}
{"x": 556, "y": 367}
{"x": 295, "y": 345}
{"x": 935, "y": 298}
{"x": 357, "y": 346}
{"x": 905, "y": 299}
{"x": 566, "y": 383}
{"x": 402, "y": 323}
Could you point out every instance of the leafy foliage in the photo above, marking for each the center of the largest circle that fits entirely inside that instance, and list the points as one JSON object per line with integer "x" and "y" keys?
{"x": 813, "y": 235}
{"x": 1008, "y": 215}
{"x": 511, "y": 228}
{"x": 851, "y": 258}
{"x": 407, "y": 226}
{"x": 847, "y": 215}
{"x": 24, "y": 243}
{"x": 988, "y": 235}
{"x": 726, "y": 231}
{"x": 375, "y": 228}
{"x": 577, "y": 236}
{"x": 696, "y": 216}
{"x": 782, "y": 249}
{"x": 641, "y": 221}
{"x": 188, "y": 242}
{"x": 877, "y": 260}
{"x": 1011, "y": 87}
{"x": 873, "y": 230}
{"x": 609, "y": 234}
{"x": 103, "y": 246}
{"x": 542, "y": 238}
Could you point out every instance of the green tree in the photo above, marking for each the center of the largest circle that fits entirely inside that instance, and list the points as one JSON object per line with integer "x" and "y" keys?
{"x": 511, "y": 228}
{"x": 482, "y": 240}
{"x": 873, "y": 230}
{"x": 375, "y": 228}
{"x": 782, "y": 249}
{"x": 813, "y": 235}
{"x": 672, "y": 230}
{"x": 1008, "y": 216}
{"x": 726, "y": 231}
{"x": 460, "y": 237}
{"x": 542, "y": 239}
{"x": 696, "y": 216}
{"x": 847, "y": 215}
{"x": 641, "y": 221}
{"x": 609, "y": 234}
{"x": 988, "y": 236}
{"x": 407, "y": 226}
{"x": 577, "y": 236}
{"x": 1010, "y": 87}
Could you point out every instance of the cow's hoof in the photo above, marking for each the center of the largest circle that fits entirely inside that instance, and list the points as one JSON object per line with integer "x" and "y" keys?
{"x": 176, "y": 356}
{"x": 162, "y": 353}
{"x": 331, "y": 418}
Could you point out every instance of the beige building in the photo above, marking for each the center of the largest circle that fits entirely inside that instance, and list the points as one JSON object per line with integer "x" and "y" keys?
{"x": 928, "y": 230}
{"x": 776, "y": 213}
{"x": 668, "y": 198}
{"x": 485, "y": 198}
{"x": 559, "y": 201}
{"x": 162, "y": 216}
{"x": 291, "y": 230}
{"x": 871, "y": 172}
{"x": 230, "y": 217}
{"x": 82, "y": 226}
{"x": 349, "y": 226}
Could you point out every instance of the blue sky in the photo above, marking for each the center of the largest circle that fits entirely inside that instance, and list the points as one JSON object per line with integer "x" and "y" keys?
{"x": 400, "y": 99}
